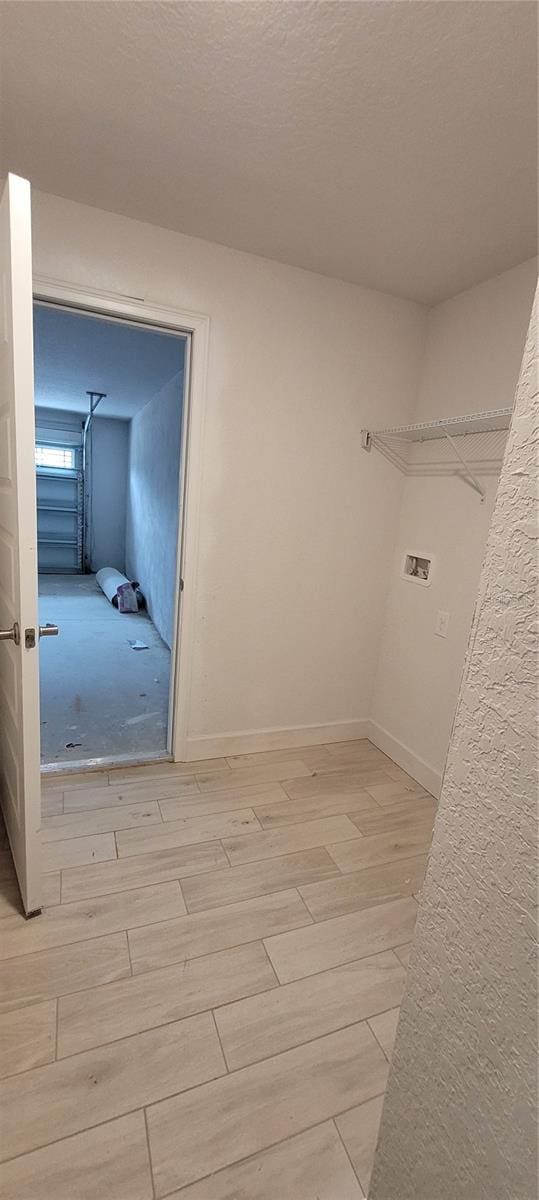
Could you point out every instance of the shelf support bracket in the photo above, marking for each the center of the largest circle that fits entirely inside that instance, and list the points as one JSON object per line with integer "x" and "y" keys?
{"x": 471, "y": 478}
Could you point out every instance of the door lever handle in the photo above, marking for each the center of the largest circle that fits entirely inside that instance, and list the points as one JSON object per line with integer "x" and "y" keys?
{"x": 48, "y": 630}
{"x": 11, "y": 635}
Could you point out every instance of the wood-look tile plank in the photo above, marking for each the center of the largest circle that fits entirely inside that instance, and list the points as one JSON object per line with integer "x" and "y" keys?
{"x": 336, "y": 783}
{"x": 185, "y": 832}
{"x": 364, "y": 888}
{"x": 291, "y": 812}
{"x": 360, "y": 751}
{"x": 257, "y": 879}
{"x": 292, "y": 768}
{"x": 391, "y": 792}
{"x": 359, "y": 1131}
{"x": 75, "y": 1093}
{"x": 225, "y": 801}
{"x": 216, "y": 929}
{"x": 403, "y": 953}
{"x": 165, "y": 770}
{"x": 276, "y": 842}
{"x": 401, "y": 776}
{"x": 314, "y": 757}
{"x": 384, "y": 1027}
{"x": 73, "y": 779}
{"x": 52, "y": 803}
{"x": 396, "y": 817}
{"x": 309, "y": 1166}
{"x": 255, "y": 1028}
{"x": 217, "y": 1124}
{"x": 382, "y": 847}
{"x": 129, "y": 793}
{"x": 343, "y": 939}
{"x": 27, "y": 1038}
{"x": 105, "y": 1014}
{"x": 100, "y": 820}
{"x": 49, "y": 973}
{"x": 67, "y": 923}
{"x": 78, "y": 851}
{"x": 79, "y": 883}
{"x": 51, "y": 885}
{"x": 109, "y": 1162}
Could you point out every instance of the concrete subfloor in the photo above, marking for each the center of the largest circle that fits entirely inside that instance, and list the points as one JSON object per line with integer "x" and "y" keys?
{"x": 97, "y": 693}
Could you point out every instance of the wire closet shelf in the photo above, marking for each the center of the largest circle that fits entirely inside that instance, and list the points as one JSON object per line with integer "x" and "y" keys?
{"x": 482, "y": 454}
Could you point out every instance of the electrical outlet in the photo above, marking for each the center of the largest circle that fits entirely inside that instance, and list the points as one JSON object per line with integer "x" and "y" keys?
{"x": 441, "y": 624}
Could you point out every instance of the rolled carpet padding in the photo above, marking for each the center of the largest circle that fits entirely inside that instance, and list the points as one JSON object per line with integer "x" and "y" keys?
{"x": 122, "y": 592}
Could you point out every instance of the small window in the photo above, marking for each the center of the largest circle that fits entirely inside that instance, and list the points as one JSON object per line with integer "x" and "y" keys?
{"x": 61, "y": 457}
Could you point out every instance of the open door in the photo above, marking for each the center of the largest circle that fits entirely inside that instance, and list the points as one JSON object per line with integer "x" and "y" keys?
{"x": 20, "y": 791}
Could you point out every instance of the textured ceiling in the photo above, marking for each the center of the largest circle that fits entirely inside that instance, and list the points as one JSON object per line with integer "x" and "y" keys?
{"x": 75, "y": 353}
{"x": 391, "y": 144}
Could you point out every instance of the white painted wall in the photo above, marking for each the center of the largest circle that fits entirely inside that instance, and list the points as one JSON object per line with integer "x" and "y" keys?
{"x": 153, "y": 502}
{"x": 472, "y": 358}
{"x": 297, "y": 523}
{"x": 459, "y": 1118}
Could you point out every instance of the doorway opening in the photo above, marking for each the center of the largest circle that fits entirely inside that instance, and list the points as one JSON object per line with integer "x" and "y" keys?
{"x": 110, "y": 420}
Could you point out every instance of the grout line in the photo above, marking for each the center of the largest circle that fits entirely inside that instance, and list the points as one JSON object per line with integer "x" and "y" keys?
{"x": 345, "y": 1148}
{"x": 129, "y": 958}
{"x": 57, "y": 1005}
{"x": 377, "y": 1039}
{"x": 275, "y": 976}
{"x": 225, "y": 1060}
{"x": 150, "y": 1163}
{"x": 227, "y": 855}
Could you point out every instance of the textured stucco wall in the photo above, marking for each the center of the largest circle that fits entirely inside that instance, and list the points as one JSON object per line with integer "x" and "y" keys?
{"x": 459, "y": 1116}
{"x": 152, "y": 502}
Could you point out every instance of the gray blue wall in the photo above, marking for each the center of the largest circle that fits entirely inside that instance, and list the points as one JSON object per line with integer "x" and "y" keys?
{"x": 152, "y": 502}
{"x": 110, "y": 454}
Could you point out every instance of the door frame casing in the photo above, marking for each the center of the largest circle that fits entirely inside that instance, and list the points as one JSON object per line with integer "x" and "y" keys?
{"x": 197, "y": 326}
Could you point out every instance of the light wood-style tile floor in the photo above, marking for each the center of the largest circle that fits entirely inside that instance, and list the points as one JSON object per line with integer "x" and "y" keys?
{"x": 206, "y": 1008}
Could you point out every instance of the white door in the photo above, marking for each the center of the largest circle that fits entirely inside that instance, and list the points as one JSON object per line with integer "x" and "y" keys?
{"x": 19, "y": 679}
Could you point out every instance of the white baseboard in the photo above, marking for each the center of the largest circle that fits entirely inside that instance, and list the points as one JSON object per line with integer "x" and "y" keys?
{"x": 421, "y": 771}
{"x": 255, "y": 740}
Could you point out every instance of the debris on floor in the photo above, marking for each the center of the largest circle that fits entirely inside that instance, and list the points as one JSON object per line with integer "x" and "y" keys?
{"x": 72, "y": 745}
{"x": 141, "y": 717}
{"x": 137, "y": 645}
